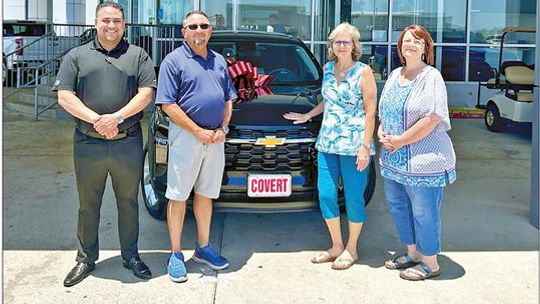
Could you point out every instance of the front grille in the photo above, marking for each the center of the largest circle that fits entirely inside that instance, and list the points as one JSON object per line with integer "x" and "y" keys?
{"x": 241, "y": 153}
{"x": 296, "y": 133}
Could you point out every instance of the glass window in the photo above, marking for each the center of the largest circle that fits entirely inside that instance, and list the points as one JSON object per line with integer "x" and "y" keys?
{"x": 173, "y": 11}
{"x": 219, "y": 13}
{"x": 444, "y": 19}
{"x": 371, "y": 19}
{"x": 325, "y": 18}
{"x": 143, "y": 12}
{"x": 452, "y": 62}
{"x": 484, "y": 61}
{"x": 125, "y": 6}
{"x": 375, "y": 56}
{"x": 449, "y": 60}
{"x": 321, "y": 53}
{"x": 394, "y": 63}
{"x": 489, "y": 17}
{"x": 32, "y": 30}
{"x": 284, "y": 16}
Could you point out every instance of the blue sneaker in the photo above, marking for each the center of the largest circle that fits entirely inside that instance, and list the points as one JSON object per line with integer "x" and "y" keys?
{"x": 176, "y": 268}
{"x": 207, "y": 255}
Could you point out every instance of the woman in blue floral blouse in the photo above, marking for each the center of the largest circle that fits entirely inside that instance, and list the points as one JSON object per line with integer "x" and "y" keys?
{"x": 417, "y": 158}
{"x": 345, "y": 140}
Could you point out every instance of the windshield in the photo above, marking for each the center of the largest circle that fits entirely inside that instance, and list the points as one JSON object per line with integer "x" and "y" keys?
{"x": 288, "y": 63}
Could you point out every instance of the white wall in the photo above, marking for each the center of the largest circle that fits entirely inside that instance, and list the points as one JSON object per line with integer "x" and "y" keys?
{"x": 59, "y": 11}
{"x": 91, "y": 11}
{"x": 14, "y": 10}
{"x": 74, "y": 11}
{"x": 37, "y": 10}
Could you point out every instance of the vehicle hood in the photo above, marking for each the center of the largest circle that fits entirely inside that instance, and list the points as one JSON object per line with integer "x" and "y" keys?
{"x": 268, "y": 110}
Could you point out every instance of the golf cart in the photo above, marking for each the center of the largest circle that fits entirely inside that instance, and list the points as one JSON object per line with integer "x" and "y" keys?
{"x": 514, "y": 81}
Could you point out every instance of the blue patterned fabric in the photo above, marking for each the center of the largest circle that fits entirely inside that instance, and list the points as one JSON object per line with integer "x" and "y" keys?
{"x": 396, "y": 166}
{"x": 343, "y": 124}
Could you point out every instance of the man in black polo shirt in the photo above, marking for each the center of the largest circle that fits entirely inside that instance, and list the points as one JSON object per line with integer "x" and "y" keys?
{"x": 106, "y": 84}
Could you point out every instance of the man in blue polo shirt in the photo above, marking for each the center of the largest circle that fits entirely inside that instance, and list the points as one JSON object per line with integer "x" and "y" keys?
{"x": 196, "y": 91}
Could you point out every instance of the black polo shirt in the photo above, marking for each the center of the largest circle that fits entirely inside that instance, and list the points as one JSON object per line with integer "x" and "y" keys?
{"x": 105, "y": 81}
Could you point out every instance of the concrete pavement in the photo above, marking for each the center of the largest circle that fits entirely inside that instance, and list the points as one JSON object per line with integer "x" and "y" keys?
{"x": 490, "y": 251}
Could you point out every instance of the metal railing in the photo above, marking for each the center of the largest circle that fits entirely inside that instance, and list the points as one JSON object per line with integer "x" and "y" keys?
{"x": 35, "y": 65}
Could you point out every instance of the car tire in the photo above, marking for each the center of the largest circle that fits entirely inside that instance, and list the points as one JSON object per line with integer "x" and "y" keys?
{"x": 155, "y": 202}
{"x": 492, "y": 118}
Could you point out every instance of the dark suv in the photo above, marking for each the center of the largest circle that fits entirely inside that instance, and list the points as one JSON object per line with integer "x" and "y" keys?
{"x": 270, "y": 163}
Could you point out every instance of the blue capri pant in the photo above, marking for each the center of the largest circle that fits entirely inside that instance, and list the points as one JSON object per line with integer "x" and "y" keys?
{"x": 330, "y": 168}
{"x": 417, "y": 215}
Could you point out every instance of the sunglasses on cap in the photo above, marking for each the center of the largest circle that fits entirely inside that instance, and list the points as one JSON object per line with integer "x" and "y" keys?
{"x": 192, "y": 27}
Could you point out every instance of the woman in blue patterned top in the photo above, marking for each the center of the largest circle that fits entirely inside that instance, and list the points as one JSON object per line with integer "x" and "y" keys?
{"x": 417, "y": 158}
{"x": 345, "y": 140}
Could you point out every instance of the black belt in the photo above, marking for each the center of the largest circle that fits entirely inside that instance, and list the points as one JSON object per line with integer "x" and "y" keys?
{"x": 94, "y": 134}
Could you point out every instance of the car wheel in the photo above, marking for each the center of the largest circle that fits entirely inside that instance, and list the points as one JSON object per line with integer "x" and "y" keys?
{"x": 493, "y": 119}
{"x": 155, "y": 202}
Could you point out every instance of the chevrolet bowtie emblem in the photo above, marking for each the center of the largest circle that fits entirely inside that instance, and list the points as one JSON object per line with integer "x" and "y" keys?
{"x": 270, "y": 141}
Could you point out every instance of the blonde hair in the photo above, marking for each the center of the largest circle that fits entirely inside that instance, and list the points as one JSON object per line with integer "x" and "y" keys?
{"x": 346, "y": 28}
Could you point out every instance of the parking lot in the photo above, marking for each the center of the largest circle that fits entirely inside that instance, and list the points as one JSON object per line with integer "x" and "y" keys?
{"x": 490, "y": 251}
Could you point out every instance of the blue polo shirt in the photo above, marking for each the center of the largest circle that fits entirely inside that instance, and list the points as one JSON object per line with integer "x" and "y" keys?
{"x": 200, "y": 87}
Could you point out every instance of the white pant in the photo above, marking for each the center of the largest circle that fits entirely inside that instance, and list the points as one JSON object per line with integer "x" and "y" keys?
{"x": 193, "y": 165}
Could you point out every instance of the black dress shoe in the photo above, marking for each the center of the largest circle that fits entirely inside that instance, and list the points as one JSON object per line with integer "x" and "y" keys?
{"x": 139, "y": 268}
{"x": 78, "y": 273}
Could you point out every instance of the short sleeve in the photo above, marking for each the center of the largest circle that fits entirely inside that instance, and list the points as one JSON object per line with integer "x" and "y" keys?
{"x": 168, "y": 86}
{"x": 147, "y": 75}
{"x": 439, "y": 96}
{"x": 66, "y": 79}
{"x": 230, "y": 90}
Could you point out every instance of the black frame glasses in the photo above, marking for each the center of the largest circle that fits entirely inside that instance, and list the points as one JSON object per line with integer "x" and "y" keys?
{"x": 192, "y": 27}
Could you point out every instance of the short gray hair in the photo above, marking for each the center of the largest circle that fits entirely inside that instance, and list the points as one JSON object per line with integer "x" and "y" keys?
{"x": 345, "y": 27}
{"x": 184, "y": 22}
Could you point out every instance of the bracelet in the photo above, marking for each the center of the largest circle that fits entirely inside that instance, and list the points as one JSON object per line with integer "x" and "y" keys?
{"x": 366, "y": 146}
{"x": 307, "y": 117}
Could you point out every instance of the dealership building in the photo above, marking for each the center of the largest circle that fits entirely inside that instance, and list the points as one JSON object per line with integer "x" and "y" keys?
{"x": 467, "y": 33}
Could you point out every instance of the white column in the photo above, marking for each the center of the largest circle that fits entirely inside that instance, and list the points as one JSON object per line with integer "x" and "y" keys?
{"x": 14, "y": 10}
{"x": 37, "y": 10}
{"x": 59, "y": 11}
{"x": 91, "y": 11}
{"x": 535, "y": 165}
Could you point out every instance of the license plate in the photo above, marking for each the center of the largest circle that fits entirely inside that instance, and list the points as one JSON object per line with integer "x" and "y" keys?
{"x": 269, "y": 185}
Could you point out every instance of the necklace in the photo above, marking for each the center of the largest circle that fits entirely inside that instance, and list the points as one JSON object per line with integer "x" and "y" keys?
{"x": 342, "y": 73}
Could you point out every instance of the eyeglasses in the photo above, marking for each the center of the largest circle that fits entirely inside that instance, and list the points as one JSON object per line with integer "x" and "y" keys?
{"x": 192, "y": 27}
{"x": 414, "y": 42}
{"x": 342, "y": 42}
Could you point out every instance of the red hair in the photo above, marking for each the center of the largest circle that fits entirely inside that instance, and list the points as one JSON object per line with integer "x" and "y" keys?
{"x": 418, "y": 32}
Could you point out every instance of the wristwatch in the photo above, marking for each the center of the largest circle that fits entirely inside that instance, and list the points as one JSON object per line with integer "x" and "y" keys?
{"x": 225, "y": 129}
{"x": 119, "y": 118}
